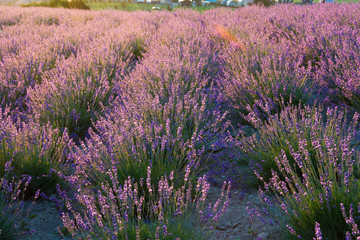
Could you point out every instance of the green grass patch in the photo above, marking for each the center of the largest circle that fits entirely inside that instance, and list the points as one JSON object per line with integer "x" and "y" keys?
{"x": 124, "y": 6}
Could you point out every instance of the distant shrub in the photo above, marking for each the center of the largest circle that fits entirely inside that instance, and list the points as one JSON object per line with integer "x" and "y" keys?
{"x": 75, "y": 4}
{"x": 168, "y": 7}
{"x": 78, "y": 4}
{"x": 265, "y": 3}
{"x": 123, "y": 5}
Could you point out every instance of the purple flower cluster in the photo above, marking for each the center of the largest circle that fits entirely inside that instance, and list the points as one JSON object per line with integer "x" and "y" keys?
{"x": 33, "y": 150}
{"x": 316, "y": 170}
{"x": 297, "y": 133}
{"x": 115, "y": 211}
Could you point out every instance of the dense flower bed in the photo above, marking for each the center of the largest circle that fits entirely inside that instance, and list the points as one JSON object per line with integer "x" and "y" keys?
{"x": 118, "y": 113}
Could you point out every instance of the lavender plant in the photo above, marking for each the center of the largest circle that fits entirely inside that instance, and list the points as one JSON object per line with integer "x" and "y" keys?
{"x": 293, "y": 129}
{"x": 133, "y": 145}
{"x": 115, "y": 211}
{"x": 261, "y": 82}
{"x": 318, "y": 196}
{"x": 178, "y": 90}
{"x": 339, "y": 68}
{"x": 75, "y": 94}
{"x": 29, "y": 149}
{"x": 24, "y": 67}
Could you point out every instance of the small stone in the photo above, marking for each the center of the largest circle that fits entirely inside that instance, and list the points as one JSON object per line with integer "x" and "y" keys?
{"x": 237, "y": 223}
{"x": 221, "y": 227}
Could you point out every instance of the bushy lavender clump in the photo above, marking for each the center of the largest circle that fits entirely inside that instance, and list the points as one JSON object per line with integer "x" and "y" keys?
{"x": 280, "y": 52}
{"x": 297, "y": 128}
{"x": 116, "y": 210}
{"x": 317, "y": 177}
{"x": 17, "y": 73}
{"x": 8, "y": 21}
{"x": 266, "y": 84}
{"x": 26, "y": 70}
{"x": 33, "y": 150}
{"x": 339, "y": 68}
{"x": 174, "y": 85}
{"x": 73, "y": 95}
{"x": 263, "y": 73}
{"x": 128, "y": 143}
{"x": 23, "y": 64}
{"x": 130, "y": 140}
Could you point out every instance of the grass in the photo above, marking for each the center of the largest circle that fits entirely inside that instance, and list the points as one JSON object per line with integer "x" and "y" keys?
{"x": 124, "y": 6}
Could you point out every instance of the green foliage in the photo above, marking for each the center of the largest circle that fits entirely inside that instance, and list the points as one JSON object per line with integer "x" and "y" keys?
{"x": 78, "y": 4}
{"x": 186, "y": 3}
{"x": 6, "y": 225}
{"x": 123, "y": 5}
{"x": 181, "y": 227}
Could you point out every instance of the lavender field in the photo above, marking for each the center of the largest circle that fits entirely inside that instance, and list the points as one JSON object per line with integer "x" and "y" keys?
{"x": 126, "y": 121}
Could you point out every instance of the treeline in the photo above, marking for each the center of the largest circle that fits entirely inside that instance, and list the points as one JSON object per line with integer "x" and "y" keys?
{"x": 78, "y": 4}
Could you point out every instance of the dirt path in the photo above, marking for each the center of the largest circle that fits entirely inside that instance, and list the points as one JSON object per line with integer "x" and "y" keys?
{"x": 42, "y": 222}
